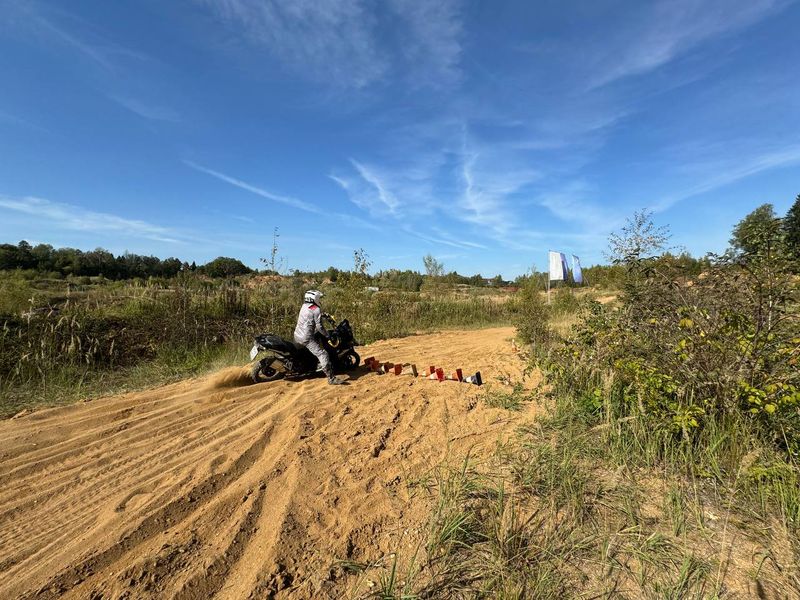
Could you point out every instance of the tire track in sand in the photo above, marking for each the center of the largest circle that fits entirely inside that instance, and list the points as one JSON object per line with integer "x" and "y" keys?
{"x": 171, "y": 514}
{"x": 186, "y": 491}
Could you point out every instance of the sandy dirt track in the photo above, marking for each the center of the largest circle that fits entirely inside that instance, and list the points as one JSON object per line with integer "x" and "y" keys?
{"x": 213, "y": 488}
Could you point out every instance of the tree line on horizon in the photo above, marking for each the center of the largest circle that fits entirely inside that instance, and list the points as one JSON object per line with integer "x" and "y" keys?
{"x": 46, "y": 260}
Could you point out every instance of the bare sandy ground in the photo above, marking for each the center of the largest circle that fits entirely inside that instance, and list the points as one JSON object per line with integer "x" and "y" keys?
{"x": 216, "y": 488}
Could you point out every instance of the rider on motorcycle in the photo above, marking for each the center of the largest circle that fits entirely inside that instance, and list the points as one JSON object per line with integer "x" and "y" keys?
{"x": 309, "y": 325}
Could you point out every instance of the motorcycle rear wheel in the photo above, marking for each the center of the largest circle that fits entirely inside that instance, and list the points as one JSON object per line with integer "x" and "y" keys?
{"x": 262, "y": 373}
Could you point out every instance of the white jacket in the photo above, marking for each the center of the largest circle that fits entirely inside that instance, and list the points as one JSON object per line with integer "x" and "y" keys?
{"x": 309, "y": 322}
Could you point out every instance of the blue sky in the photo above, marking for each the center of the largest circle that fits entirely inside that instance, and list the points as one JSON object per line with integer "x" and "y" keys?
{"x": 484, "y": 133}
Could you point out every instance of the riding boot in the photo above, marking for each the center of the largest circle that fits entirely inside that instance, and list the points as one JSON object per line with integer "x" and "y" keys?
{"x": 332, "y": 380}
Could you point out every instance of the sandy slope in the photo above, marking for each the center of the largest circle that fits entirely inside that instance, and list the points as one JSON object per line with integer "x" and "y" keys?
{"x": 213, "y": 488}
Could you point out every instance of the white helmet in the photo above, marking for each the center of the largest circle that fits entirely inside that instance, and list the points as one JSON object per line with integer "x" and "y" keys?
{"x": 313, "y": 297}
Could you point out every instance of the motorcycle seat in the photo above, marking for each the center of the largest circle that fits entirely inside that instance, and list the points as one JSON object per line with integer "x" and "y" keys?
{"x": 275, "y": 342}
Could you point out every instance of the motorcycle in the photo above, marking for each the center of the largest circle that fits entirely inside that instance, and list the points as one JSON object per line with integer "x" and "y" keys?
{"x": 285, "y": 358}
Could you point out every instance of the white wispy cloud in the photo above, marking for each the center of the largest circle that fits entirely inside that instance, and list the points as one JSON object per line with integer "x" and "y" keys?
{"x": 384, "y": 195}
{"x": 59, "y": 26}
{"x": 287, "y": 200}
{"x": 340, "y": 43}
{"x": 20, "y": 121}
{"x": 490, "y": 192}
{"x": 120, "y": 64}
{"x": 432, "y": 47}
{"x": 572, "y": 202}
{"x": 88, "y": 50}
{"x": 370, "y": 191}
{"x": 720, "y": 170}
{"x": 145, "y": 110}
{"x": 413, "y": 208}
{"x": 657, "y": 33}
{"x": 473, "y": 187}
{"x": 444, "y": 235}
{"x": 445, "y": 240}
{"x": 76, "y": 218}
{"x": 325, "y": 40}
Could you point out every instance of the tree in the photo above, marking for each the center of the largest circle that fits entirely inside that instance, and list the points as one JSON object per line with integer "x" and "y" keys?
{"x": 98, "y": 262}
{"x": 275, "y": 265}
{"x": 637, "y": 247}
{"x": 477, "y": 280}
{"x": 68, "y": 260}
{"x": 361, "y": 263}
{"x": 758, "y": 228}
{"x": 332, "y": 274}
{"x": 638, "y": 239}
{"x": 170, "y": 267}
{"x": 791, "y": 229}
{"x": 43, "y": 255}
{"x": 223, "y": 266}
{"x": 351, "y": 285}
{"x": 433, "y": 267}
{"x": 8, "y": 257}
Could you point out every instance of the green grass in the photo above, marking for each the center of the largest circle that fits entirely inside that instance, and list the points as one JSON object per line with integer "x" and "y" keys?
{"x": 516, "y": 399}
{"x": 577, "y": 507}
{"x": 602, "y": 498}
{"x": 74, "y": 383}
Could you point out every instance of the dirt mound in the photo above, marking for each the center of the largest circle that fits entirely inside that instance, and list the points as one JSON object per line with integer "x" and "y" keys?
{"x": 208, "y": 488}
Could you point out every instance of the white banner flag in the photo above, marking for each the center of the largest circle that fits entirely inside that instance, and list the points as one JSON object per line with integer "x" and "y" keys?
{"x": 558, "y": 266}
{"x": 577, "y": 273}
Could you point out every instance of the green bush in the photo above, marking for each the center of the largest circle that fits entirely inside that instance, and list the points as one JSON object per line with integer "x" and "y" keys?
{"x": 532, "y": 315}
{"x": 564, "y": 302}
{"x": 684, "y": 353}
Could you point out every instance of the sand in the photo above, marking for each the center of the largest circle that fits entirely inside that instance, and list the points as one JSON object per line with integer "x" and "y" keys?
{"x": 215, "y": 487}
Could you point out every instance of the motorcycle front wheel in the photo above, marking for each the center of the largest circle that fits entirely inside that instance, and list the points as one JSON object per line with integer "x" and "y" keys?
{"x": 351, "y": 360}
{"x": 263, "y": 371}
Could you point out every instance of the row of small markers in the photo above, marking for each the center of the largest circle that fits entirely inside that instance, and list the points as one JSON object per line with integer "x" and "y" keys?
{"x": 435, "y": 374}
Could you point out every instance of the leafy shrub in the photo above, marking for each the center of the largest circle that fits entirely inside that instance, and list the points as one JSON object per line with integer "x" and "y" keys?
{"x": 532, "y": 315}
{"x": 681, "y": 351}
{"x": 564, "y": 302}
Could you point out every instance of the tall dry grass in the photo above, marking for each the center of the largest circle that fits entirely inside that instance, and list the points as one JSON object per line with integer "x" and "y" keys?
{"x": 92, "y": 338}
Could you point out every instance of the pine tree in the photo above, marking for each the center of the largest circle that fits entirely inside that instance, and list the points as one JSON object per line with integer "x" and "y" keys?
{"x": 791, "y": 229}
